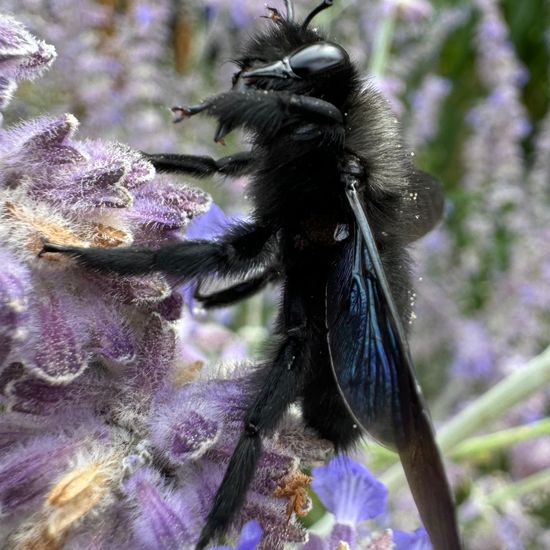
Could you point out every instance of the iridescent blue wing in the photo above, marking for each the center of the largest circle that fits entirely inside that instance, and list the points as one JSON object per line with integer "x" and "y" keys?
{"x": 375, "y": 375}
{"x": 370, "y": 361}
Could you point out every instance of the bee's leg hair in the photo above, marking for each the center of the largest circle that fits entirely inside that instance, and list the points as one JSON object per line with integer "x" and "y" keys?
{"x": 237, "y": 292}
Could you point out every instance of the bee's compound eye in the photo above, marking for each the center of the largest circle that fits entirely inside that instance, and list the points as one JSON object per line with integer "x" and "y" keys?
{"x": 317, "y": 58}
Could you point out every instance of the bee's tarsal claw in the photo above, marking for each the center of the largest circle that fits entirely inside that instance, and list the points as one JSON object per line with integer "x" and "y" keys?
{"x": 182, "y": 112}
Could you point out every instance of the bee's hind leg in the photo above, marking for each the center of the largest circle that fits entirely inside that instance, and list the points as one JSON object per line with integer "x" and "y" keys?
{"x": 275, "y": 385}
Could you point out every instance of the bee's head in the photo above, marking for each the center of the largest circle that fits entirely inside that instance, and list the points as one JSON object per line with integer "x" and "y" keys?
{"x": 291, "y": 57}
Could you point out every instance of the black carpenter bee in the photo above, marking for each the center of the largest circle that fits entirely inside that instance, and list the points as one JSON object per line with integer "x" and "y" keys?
{"x": 336, "y": 201}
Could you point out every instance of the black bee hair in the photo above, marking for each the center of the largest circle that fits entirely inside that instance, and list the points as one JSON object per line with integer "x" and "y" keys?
{"x": 336, "y": 201}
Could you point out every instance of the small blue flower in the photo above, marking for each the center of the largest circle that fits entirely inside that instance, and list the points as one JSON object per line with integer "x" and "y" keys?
{"x": 349, "y": 491}
{"x": 417, "y": 540}
{"x": 250, "y": 537}
{"x": 209, "y": 225}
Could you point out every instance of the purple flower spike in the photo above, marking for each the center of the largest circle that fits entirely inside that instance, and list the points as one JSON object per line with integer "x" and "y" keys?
{"x": 21, "y": 55}
{"x": 417, "y": 540}
{"x": 251, "y": 535}
{"x": 159, "y": 524}
{"x": 349, "y": 490}
{"x": 100, "y": 402}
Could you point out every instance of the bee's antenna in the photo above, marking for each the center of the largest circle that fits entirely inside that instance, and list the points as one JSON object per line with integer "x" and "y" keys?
{"x": 322, "y": 6}
{"x": 289, "y": 5}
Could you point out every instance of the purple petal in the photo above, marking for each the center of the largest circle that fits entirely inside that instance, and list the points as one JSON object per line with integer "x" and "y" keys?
{"x": 23, "y": 392}
{"x": 100, "y": 185}
{"x": 26, "y": 473}
{"x": 166, "y": 205}
{"x": 140, "y": 292}
{"x": 21, "y": 55}
{"x": 349, "y": 490}
{"x": 342, "y": 533}
{"x": 138, "y": 170}
{"x": 315, "y": 542}
{"x": 39, "y": 60}
{"x": 111, "y": 337}
{"x": 272, "y": 467}
{"x": 417, "y": 540}
{"x": 192, "y": 437}
{"x": 48, "y": 146}
{"x": 171, "y": 307}
{"x": 184, "y": 429}
{"x": 251, "y": 535}
{"x": 15, "y": 41}
{"x": 155, "y": 356}
{"x": 159, "y": 524}
{"x": 17, "y": 428}
{"x": 210, "y": 224}
{"x": 57, "y": 355}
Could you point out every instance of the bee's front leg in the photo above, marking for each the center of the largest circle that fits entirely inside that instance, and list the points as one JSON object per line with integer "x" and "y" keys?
{"x": 238, "y": 164}
{"x": 264, "y": 112}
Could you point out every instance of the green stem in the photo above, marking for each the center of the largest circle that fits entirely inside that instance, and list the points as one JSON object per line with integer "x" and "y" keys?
{"x": 254, "y": 332}
{"x": 510, "y": 391}
{"x": 382, "y": 45}
{"x": 540, "y": 480}
{"x": 473, "y": 446}
{"x": 254, "y": 311}
{"x": 500, "y": 440}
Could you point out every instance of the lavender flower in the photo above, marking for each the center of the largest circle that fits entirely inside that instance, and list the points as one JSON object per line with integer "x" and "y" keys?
{"x": 353, "y": 495}
{"x": 250, "y": 537}
{"x": 110, "y": 438}
{"x": 482, "y": 304}
{"x": 417, "y": 540}
{"x": 427, "y": 101}
{"x": 360, "y": 495}
{"x": 21, "y": 57}
{"x": 240, "y": 12}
